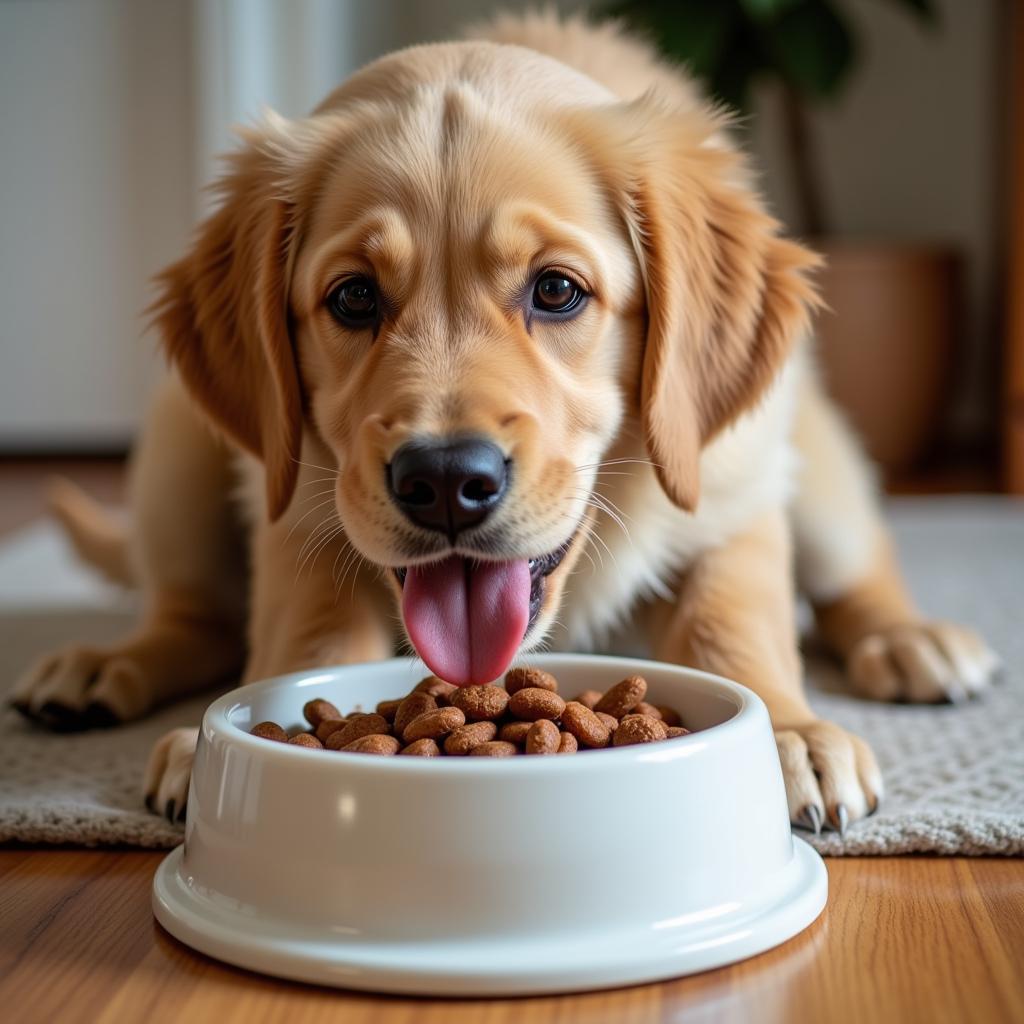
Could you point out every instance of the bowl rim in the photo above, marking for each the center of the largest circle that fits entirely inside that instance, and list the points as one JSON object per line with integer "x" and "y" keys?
{"x": 749, "y": 709}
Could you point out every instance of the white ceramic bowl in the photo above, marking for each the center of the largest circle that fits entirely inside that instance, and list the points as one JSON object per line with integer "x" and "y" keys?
{"x": 479, "y": 876}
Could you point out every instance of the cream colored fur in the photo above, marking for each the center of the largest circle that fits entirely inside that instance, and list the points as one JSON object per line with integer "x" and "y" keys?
{"x": 693, "y": 447}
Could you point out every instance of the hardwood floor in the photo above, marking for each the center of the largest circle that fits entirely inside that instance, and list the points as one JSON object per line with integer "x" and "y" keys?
{"x": 902, "y": 939}
{"x": 906, "y": 940}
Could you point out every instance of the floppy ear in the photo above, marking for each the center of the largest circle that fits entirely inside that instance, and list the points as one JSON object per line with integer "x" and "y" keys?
{"x": 727, "y": 298}
{"x": 223, "y": 315}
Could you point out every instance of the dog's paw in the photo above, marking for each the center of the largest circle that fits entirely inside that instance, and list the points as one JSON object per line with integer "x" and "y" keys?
{"x": 922, "y": 663}
{"x": 832, "y": 777}
{"x": 168, "y": 771}
{"x": 80, "y": 688}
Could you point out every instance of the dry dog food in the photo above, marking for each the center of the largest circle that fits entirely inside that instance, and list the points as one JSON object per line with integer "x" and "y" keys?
{"x": 527, "y": 716}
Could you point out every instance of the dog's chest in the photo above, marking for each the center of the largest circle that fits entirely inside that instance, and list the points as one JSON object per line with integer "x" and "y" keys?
{"x": 643, "y": 544}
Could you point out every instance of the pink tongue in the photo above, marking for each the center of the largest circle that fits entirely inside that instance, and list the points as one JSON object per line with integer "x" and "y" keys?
{"x": 467, "y": 619}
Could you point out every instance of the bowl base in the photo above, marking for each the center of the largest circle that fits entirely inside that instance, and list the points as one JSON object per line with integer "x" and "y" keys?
{"x": 515, "y": 966}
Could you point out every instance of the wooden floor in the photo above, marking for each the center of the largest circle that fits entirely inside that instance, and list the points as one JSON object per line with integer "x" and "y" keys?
{"x": 904, "y": 940}
{"x": 901, "y": 940}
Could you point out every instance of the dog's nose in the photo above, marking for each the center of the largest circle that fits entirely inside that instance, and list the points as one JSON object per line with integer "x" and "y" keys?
{"x": 449, "y": 485}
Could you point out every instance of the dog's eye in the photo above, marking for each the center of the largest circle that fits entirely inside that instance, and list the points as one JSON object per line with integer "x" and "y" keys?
{"x": 354, "y": 302}
{"x": 553, "y": 292}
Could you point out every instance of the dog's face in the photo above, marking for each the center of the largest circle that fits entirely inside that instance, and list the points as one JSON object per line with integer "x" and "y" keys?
{"x": 467, "y": 302}
{"x": 464, "y": 300}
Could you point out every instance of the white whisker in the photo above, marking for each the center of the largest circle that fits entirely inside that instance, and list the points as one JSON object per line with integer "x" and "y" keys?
{"x": 313, "y": 497}
{"x": 352, "y": 560}
{"x": 319, "y": 480}
{"x": 325, "y": 525}
{"x": 313, "y": 465}
{"x": 314, "y": 552}
{"x": 306, "y": 515}
{"x": 617, "y": 462}
{"x": 600, "y": 540}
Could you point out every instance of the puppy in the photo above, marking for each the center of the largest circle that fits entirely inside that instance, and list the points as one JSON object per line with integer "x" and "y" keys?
{"x": 500, "y": 344}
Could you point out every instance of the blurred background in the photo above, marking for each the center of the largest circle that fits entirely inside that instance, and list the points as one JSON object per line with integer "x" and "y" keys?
{"x": 887, "y": 132}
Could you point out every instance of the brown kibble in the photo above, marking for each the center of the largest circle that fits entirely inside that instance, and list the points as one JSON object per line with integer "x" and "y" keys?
{"x": 433, "y": 724}
{"x": 514, "y": 732}
{"x": 306, "y": 739}
{"x": 436, "y": 688}
{"x": 316, "y": 711}
{"x": 375, "y": 743}
{"x": 425, "y": 747}
{"x": 356, "y": 728}
{"x": 584, "y": 724}
{"x": 463, "y": 739}
{"x": 670, "y": 716}
{"x": 588, "y": 698}
{"x": 532, "y": 704}
{"x": 387, "y": 709}
{"x": 623, "y": 697}
{"x": 480, "y": 703}
{"x": 412, "y": 707}
{"x": 638, "y": 729}
{"x": 543, "y": 737}
{"x": 327, "y": 726}
{"x": 517, "y": 679}
{"x": 269, "y": 731}
{"x": 494, "y": 748}
{"x": 527, "y": 716}
{"x": 567, "y": 743}
{"x": 643, "y": 708}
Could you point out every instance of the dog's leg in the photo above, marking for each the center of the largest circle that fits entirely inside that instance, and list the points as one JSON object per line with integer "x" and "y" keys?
{"x": 314, "y": 603}
{"x": 307, "y": 611}
{"x": 734, "y": 615}
{"x": 191, "y": 631}
{"x": 846, "y": 566}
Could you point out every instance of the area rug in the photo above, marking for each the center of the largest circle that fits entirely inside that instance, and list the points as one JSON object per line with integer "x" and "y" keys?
{"x": 954, "y": 775}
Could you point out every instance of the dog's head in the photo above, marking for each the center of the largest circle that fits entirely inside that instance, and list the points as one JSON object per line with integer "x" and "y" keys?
{"x": 467, "y": 273}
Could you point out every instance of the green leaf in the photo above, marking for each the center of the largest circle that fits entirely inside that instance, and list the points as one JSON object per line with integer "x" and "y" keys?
{"x": 733, "y": 78}
{"x": 694, "y": 32}
{"x": 811, "y": 46}
{"x": 924, "y": 9}
{"x": 765, "y": 10}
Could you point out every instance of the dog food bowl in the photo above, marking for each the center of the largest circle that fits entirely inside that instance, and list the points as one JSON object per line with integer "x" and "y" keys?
{"x": 481, "y": 876}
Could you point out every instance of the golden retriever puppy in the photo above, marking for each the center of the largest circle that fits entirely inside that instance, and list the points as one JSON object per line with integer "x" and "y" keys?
{"x": 500, "y": 344}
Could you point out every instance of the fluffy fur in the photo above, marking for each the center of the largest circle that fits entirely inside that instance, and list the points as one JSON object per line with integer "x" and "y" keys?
{"x": 674, "y": 428}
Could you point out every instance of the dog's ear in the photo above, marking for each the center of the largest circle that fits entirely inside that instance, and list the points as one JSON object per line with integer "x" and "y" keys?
{"x": 727, "y": 298}
{"x": 223, "y": 313}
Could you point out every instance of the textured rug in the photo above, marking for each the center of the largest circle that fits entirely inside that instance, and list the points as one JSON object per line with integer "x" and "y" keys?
{"x": 954, "y": 775}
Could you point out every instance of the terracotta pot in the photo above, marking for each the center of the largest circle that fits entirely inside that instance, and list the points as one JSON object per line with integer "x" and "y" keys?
{"x": 886, "y": 341}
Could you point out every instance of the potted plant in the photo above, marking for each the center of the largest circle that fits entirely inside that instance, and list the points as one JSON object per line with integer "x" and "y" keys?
{"x": 886, "y": 341}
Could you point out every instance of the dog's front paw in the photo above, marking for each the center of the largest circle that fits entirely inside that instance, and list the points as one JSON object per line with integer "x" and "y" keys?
{"x": 79, "y": 688}
{"x": 168, "y": 772}
{"x": 923, "y": 663}
{"x": 832, "y": 777}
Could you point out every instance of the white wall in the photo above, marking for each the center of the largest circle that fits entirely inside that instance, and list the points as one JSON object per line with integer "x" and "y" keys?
{"x": 96, "y": 193}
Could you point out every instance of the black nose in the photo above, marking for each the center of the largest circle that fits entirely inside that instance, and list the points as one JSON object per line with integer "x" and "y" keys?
{"x": 449, "y": 485}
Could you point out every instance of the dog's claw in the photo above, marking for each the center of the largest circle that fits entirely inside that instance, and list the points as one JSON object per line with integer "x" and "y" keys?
{"x": 151, "y": 803}
{"x": 61, "y": 718}
{"x": 811, "y": 818}
{"x": 842, "y": 819}
{"x": 98, "y": 715}
{"x": 23, "y": 708}
{"x": 957, "y": 694}
{"x": 169, "y": 810}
